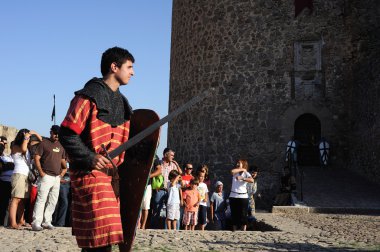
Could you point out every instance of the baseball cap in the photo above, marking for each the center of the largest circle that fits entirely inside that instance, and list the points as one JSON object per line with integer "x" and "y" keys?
{"x": 55, "y": 129}
{"x": 218, "y": 183}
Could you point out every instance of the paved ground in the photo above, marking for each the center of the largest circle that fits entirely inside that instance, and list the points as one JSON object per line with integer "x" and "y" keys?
{"x": 337, "y": 187}
{"x": 298, "y": 230}
{"x": 306, "y": 232}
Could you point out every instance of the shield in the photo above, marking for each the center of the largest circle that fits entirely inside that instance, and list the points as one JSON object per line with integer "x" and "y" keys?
{"x": 134, "y": 173}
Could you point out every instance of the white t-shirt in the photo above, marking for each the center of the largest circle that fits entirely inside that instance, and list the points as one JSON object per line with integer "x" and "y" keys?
{"x": 239, "y": 187}
{"x": 173, "y": 191}
{"x": 21, "y": 163}
{"x": 203, "y": 190}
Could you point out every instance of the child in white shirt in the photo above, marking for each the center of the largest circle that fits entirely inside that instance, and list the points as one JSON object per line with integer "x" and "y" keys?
{"x": 174, "y": 199}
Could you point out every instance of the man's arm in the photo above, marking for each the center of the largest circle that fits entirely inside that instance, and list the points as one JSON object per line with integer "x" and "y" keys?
{"x": 212, "y": 209}
{"x": 79, "y": 152}
{"x": 64, "y": 167}
{"x": 37, "y": 162}
{"x": 178, "y": 168}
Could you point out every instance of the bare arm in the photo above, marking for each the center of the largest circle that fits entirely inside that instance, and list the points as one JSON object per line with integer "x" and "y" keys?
{"x": 249, "y": 180}
{"x": 157, "y": 172}
{"x": 237, "y": 170}
{"x": 37, "y": 162}
{"x": 212, "y": 210}
{"x": 178, "y": 168}
{"x": 32, "y": 132}
{"x": 180, "y": 196}
{"x": 24, "y": 145}
{"x": 64, "y": 168}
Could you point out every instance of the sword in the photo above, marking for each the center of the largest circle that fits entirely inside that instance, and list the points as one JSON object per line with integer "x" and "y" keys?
{"x": 140, "y": 136}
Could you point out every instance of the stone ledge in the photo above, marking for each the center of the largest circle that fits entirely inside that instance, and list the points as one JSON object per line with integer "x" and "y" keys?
{"x": 326, "y": 210}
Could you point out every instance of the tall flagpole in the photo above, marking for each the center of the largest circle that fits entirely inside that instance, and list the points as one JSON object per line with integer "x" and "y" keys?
{"x": 53, "y": 112}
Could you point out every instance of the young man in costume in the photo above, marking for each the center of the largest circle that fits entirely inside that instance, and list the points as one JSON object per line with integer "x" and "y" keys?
{"x": 98, "y": 115}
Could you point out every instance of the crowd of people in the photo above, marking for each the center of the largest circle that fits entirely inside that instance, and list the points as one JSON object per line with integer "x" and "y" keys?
{"x": 35, "y": 189}
{"x": 34, "y": 184}
{"x": 176, "y": 199}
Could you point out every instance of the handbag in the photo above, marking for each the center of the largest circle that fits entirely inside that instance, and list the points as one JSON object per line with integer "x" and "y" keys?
{"x": 158, "y": 182}
{"x": 32, "y": 176}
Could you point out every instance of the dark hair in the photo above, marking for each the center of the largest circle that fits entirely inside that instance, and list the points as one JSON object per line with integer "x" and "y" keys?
{"x": 20, "y": 136}
{"x": 114, "y": 55}
{"x": 194, "y": 181}
{"x": 2, "y": 138}
{"x": 166, "y": 150}
{"x": 253, "y": 168}
{"x": 200, "y": 168}
{"x": 156, "y": 161}
{"x": 173, "y": 174}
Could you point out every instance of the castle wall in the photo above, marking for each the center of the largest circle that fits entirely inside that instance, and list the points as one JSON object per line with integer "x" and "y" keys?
{"x": 10, "y": 133}
{"x": 268, "y": 68}
{"x": 365, "y": 90}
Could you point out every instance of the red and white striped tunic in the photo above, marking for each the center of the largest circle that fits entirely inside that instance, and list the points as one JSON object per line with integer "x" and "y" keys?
{"x": 96, "y": 218}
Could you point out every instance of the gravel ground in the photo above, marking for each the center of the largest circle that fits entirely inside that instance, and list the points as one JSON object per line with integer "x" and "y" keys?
{"x": 298, "y": 232}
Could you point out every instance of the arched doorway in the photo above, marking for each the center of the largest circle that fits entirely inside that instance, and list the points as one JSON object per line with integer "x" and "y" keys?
{"x": 307, "y": 131}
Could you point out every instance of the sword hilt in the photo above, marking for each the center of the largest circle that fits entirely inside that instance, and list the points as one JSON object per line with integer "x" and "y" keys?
{"x": 107, "y": 155}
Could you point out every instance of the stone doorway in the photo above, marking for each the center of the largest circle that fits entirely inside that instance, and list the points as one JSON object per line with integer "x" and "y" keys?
{"x": 307, "y": 131}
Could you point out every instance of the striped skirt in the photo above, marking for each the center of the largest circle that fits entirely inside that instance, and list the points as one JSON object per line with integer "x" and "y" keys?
{"x": 96, "y": 218}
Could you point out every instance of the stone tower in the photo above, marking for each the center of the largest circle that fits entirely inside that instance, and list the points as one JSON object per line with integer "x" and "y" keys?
{"x": 275, "y": 76}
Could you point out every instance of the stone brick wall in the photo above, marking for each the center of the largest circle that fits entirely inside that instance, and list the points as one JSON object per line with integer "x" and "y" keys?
{"x": 248, "y": 51}
{"x": 365, "y": 89}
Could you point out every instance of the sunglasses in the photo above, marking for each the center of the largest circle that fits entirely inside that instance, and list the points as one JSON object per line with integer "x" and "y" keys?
{"x": 189, "y": 168}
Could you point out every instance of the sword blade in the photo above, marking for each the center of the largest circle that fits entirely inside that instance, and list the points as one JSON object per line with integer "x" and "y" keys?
{"x": 140, "y": 136}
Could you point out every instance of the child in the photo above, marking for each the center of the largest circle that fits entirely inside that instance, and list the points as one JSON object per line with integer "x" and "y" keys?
{"x": 203, "y": 191}
{"x": 174, "y": 199}
{"x": 191, "y": 201}
{"x": 218, "y": 207}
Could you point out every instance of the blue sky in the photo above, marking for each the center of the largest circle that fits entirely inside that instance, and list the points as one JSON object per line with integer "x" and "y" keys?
{"x": 54, "y": 47}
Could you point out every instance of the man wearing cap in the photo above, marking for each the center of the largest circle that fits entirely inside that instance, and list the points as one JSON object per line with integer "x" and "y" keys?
{"x": 50, "y": 161}
{"x": 218, "y": 206}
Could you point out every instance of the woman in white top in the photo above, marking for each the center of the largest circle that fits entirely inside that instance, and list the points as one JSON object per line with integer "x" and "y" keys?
{"x": 20, "y": 183}
{"x": 239, "y": 196}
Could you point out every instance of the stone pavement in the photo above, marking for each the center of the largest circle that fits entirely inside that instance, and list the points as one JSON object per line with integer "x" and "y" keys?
{"x": 305, "y": 232}
{"x": 335, "y": 187}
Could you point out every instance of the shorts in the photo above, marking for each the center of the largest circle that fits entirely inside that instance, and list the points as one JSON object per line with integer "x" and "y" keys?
{"x": 145, "y": 205}
{"x": 190, "y": 218}
{"x": 173, "y": 212}
{"x": 20, "y": 186}
{"x": 202, "y": 215}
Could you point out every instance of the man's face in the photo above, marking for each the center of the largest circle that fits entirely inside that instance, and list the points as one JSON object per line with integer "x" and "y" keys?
{"x": 124, "y": 73}
{"x": 219, "y": 188}
{"x": 188, "y": 169}
{"x": 169, "y": 156}
{"x": 53, "y": 136}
